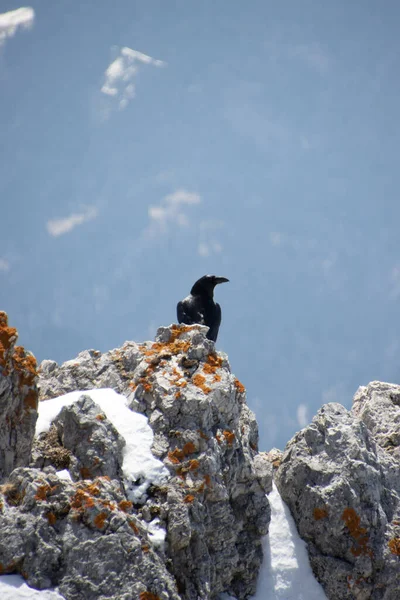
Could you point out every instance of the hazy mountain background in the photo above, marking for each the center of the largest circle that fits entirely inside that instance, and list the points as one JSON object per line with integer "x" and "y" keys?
{"x": 143, "y": 145}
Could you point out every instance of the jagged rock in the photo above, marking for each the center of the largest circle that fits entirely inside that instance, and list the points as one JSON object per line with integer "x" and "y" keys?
{"x": 378, "y": 406}
{"x": 343, "y": 491}
{"x": 213, "y": 506}
{"x": 18, "y": 400}
{"x": 83, "y": 537}
{"x": 93, "y": 442}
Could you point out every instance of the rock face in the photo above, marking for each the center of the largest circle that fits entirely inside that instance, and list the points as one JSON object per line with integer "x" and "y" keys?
{"x": 340, "y": 478}
{"x": 18, "y": 400}
{"x": 86, "y": 537}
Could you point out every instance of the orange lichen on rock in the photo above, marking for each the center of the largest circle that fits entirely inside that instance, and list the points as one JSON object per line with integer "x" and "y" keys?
{"x": 239, "y": 386}
{"x": 85, "y": 473}
{"x": 31, "y": 400}
{"x": 207, "y": 480}
{"x": 203, "y": 435}
{"x": 146, "y": 385}
{"x": 188, "y": 499}
{"x": 25, "y": 365}
{"x": 229, "y": 436}
{"x": 100, "y": 519}
{"x": 193, "y": 464}
{"x": 101, "y": 417}
{"x": 145, "y": 548}
{"x": 189, "y": 448}
{"x": 148, "y": 596}
{"x": 200, "y": 382}
{"x": 320, "y": 513}
{"x": 8, "y": 337}
{"x": 125, "y": 505}
{"x": 394, "y": 546}
{"x": 175, "y": 456}
{"x": 352, "y": 522}
{"x": 213, "y": 360}
{"x": 42, "y": 492}
{"x": 51, "y": 517}
{"x": 182, "y": 383}
{"x": 178, "y": 454}
{"x": 133, "y": 526}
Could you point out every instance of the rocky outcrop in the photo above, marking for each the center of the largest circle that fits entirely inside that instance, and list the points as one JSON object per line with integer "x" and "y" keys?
{"x": 87, "y": 536}
{"x": 18, "y": 400}
{"x": 340, "y": 478}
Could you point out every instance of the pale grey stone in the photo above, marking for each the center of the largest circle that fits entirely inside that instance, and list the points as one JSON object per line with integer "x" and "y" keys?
{"x": 213, "y": 507}
{"x": 343, "y": 490}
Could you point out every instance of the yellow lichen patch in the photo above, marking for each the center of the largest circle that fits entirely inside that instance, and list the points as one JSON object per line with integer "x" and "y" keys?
{"x": 217, "y": 378}
{"x": 42, "y": 492}
{"x": 188, "y": 499}
{"x": 352, "y": 522}
{"x": 394, "y": 546}
{"x": 100, "y": 519}
{"x": 239, "y": 386}
{"x": 320, "y": 513}
{"x": 51, "y": 517}
{"x": 229, "y": 436}
{"x": 148, "y": 596}
{"x": 200, "y": 382}
{"x": 125, "y": 505}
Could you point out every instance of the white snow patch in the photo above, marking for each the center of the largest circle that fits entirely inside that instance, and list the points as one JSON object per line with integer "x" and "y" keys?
{"x": 13, "y": 587}
{"x": 285, "y": 573}
{"x": 140, "y": 468}
{"x": 64, "y": 474}
{"x": 156, "y": 533}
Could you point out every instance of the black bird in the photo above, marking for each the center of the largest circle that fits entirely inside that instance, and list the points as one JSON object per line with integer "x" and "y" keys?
{"x": 199, "y": 306}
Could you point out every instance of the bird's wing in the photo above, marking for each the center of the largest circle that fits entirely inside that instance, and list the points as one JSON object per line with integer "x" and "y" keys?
{"x": 184, "y": 314}
{"x": 214, "y": 327}
{"x": 188, "y": 312}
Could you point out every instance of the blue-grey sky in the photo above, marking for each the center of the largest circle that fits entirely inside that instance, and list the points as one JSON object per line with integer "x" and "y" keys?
{"x": 143, "y": 145}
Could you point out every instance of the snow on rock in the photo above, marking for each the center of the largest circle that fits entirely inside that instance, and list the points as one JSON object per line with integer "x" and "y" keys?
{"x": 13, "y": 587}
{"x": 145, "y": 479}
{"x": 285, "y": 573}
{"x": 139, "y": 464}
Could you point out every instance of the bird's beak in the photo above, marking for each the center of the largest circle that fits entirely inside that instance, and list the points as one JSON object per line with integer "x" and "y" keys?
{"x": 220, "y": 280}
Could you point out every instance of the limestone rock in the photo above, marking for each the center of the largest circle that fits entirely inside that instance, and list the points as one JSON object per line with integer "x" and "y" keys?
{"x": 18, "y": 400}
{"x": 343, "y": 491}
{"x": 83, "y": 537}
{"x": 378, "y": 406}
{"x": 88, "y": 538}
